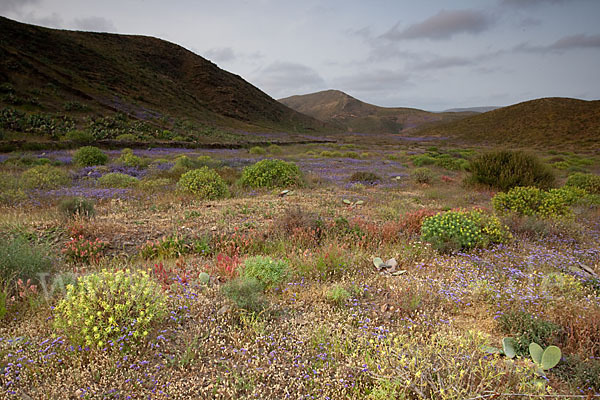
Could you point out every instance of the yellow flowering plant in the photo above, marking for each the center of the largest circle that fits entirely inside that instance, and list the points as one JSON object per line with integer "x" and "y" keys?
{"x": 110, "y": 308}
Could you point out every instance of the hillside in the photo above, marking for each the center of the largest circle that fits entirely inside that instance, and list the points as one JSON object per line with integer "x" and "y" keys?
{"x": 71, "y": 74}
{"x": 548, "y": 122}
{"x": 353, "y": 115}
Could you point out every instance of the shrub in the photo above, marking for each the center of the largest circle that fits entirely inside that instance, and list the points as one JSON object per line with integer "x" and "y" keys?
{"x": 154, "y": 185}
{"x": 80, "y": 250}
{"x": 579, "y": 372}
{"x": 20, "y": 259}
{"x": 77, "y": 207}
{"x": 338, "y": 295}
{"x": 246, "y": 293}
{"x": 126, "y": 137}
{"x": 117, "y": 180}
{"x": 171, "y": 246}
{"x": 44, "y": 177}
{"x": 529, "y": 329}
{"x": 79, "y": 136}
{"x": 274, "y": 149}
{"x": 463, "y": 230}
{"x": 182, "y": 165}
{"x": 88, "y": 156}
{"x": 588, "y": 182}
{"x": 129, "y": 159}
{"x": 422, "y": 160}
{"x": 204, "y": 183}
{"x": 505, "y": 169}
{"x": 412, "y": 221}
{"x": 530, "y": 201}
{"x": 271, "y": 174}
{"x": 257, "y": 150}
{"x": 110, "y": 307}
{"x": 422, "y": 175}
{"x": 266, "y": 270}
{"x": 365, "y": 177}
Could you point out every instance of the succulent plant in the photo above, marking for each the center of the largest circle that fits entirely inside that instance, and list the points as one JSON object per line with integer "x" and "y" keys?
{"x": 508, "y": 346}
{"x": 204, "y": 278}
{"x": 545, "y": 359}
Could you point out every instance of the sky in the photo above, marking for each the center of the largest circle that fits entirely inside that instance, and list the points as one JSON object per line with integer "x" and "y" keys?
{"x": 428, "y": 54}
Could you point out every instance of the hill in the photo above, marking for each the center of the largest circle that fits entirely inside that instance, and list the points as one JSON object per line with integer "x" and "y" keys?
{"x": 59, "y": 74}
{"x": 353, "y": 115}
{"x": 472, "y": 109}
{"x": 548, "y": 122}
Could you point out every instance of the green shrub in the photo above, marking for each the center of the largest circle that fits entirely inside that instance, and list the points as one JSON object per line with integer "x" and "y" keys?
{"x": 366, "y": 177}
{"x": 129, "y": 159}
{"x": 527, "y": 329}
{"x": 77, "y": 207}
{"x": 271, "y": 174}
{"x": 266, "y": 270}
{"x": 530, "y": 201}
{"x": 10, "y": 190}
{"x": 463, "y": 230}
{"x": 274, "y": 149}
{"x": 203, "y": 182}
{"x": 448, "y": 162}
{"x": 44, "y": 177}
{"x": 588, "y": 182}
{"x": 246, "y": 293}
{"x": 118, "y": 180}
{"x": 257, "y": 150}
{"x": 101, "y": 307}
{"x": 182, "y": 165}
{"x": 422, "y": 159}
{"x": 89, "y": 155}
{"x": 20, "y": 259}
{"x": 505, "y": 169}
{"x": 422, "y": 175}
{"x": 338, "y": 295}
{"x": 126, "y": 137}
{"x": 154, "y": 184}
{"x": 579, "y": 372}
{"x": 79, "y": 136}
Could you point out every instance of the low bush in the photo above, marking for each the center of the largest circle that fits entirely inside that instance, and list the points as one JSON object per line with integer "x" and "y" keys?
{"x": 88, "y": 156}
{"x": 463, "y": 230}
{"x": 80, "y": 250}
{"x": 422, "y": 160}
{"x": 270, "y": 174}
{"x": 129, "y": 159}
{"x": 588, "y": 182}
{"x": 154, "y": 185}
{"x": 110, "y": 308}
{"x": 527, "y": 329}
{"x": 274, "y": 149}
{"x": 204, "y": 183}
{"x": 182, "y": 165}
{"x": 126, "y": 137}
{"x": 266, "y": 270}
{"x": 338, "y": 295}
{"x": 118, "y": 180}
{"x": 505, "y": 169}
{"x": 422, "y": 175}
{"x": 246, "y": 293}
{"x": 257, "y": 150}
{"x": 365, "y": 177}
{"x": 20, "y": 259}
{"x": 77, "y": 207}
{"x": 44, "y": 177}
{"x": 79, "y": 136}
{"x": 530, "y": 201}
{"x": 411, "y": 222}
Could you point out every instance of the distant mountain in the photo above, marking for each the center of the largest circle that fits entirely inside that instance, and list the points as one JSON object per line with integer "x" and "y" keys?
{"x": 553, "y": 121}
{"x": 472, "y": 109}
{"x": 147, "y": 79}
{"x": 353, "y": 115}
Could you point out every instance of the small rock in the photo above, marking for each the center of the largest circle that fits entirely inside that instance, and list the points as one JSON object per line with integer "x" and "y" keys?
{"x": 384, "y": 307}
{"x": 223, "y": 310}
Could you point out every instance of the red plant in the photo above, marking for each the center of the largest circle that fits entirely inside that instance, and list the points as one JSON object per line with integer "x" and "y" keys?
{"x": 167, "y": 276}
{"x": 226, "y": 266}
{"x": 81, "y": 250}
{"x": 447, "y": 179}
{"x": 411, "y": 222}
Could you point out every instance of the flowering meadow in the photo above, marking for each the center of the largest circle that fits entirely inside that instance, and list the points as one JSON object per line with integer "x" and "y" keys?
{"x": 346, "y": 270}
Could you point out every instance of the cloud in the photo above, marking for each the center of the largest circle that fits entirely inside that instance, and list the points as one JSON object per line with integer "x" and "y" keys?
{"x": 374, "y": 81}
{"x": 94, "y": 24}
{"x": 443, "y": 25}
{"x": 576, "y": 42}
{"x": 15, "y": 5}
{"x": 287, "y": 78}
{"x": 220, "y": 54}
{"x": 531, "y": 3}
{"x": 572, "y": 42}
{"x": 445, "y": 62}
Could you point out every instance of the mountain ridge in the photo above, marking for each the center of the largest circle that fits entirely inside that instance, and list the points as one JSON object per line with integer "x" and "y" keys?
{"x": 144, "y": 77}
{"x": 353, "y": 115}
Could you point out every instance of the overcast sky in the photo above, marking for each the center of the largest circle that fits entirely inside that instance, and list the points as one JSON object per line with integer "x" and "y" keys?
{"x": 429, "y": 54}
